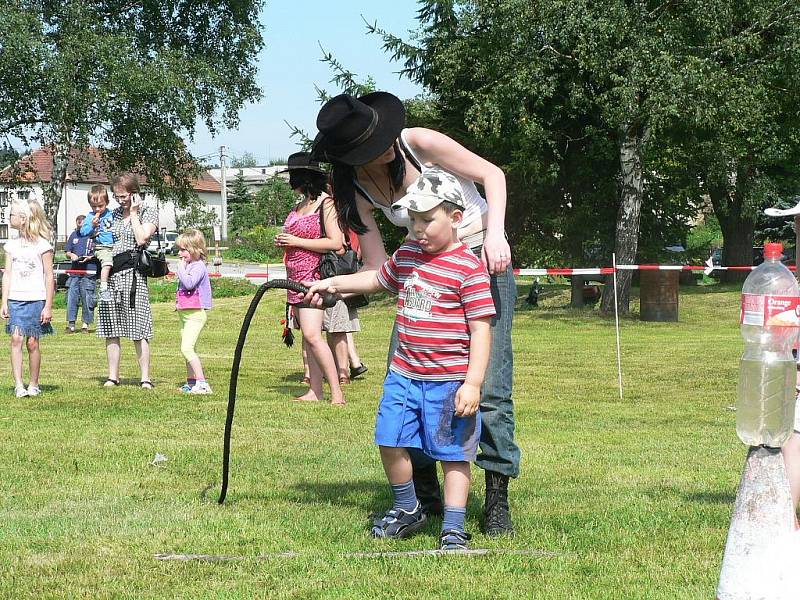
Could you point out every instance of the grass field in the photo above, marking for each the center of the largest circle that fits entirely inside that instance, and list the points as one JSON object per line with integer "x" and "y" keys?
{"x": 617, "y": 499}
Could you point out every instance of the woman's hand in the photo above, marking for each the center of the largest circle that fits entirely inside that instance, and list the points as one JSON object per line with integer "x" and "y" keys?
{"x": 46, "y": 316}
{"x": 4, "y": 311}
{"x": 136, "y": 203}
{"x": 286, "y": 240}
{"x": 496, "y": 253}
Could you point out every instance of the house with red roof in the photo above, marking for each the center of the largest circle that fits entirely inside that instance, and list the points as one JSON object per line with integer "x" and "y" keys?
{"x": 85, "y": 169}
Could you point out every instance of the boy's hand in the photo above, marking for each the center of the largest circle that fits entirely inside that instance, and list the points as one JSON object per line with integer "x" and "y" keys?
{"x": 47, "y": 316}
{"x": 96, "y": 220}
{"x": 468, "y": 398}
{"x": 316, "y": 288}
{"x": 4, "y": 311}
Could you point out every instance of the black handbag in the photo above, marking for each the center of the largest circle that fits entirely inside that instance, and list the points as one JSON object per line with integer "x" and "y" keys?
{"x": 152, "y": 264}
{"x": 346, "y": 263}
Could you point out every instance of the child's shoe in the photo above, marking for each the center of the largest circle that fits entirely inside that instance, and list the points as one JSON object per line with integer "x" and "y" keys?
{"x": 185, "y": 388}
{"x": 398, "y": 523}
{"x": 105, "y": 295}
{"x": 453, "y": 539}
{"x": 201, "y": 387}
{"x": 34, "y": 390}
{"x": 20, "y": 391}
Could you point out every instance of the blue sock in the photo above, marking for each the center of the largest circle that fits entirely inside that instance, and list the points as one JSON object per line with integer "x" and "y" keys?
{"x": 454, "y": 518}
{"x": 405, "y": 497}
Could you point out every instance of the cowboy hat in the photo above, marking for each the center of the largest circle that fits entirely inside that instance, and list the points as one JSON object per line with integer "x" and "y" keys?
{"x": 355, "y": 131}
{"x": 302, "y": 160}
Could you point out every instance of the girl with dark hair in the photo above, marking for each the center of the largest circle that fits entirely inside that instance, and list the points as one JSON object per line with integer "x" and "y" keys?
{"x": 304, "y": 244}
{"x": 374, "y": 160}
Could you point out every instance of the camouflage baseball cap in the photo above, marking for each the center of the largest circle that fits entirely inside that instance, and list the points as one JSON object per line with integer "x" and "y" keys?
{"x": 430, "y": 189}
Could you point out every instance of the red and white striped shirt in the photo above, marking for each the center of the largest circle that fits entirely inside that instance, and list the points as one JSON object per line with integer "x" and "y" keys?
{"x": 437, "y": 295}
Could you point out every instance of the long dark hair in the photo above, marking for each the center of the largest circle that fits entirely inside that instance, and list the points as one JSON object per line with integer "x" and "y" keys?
{"x": 344, "y": 192}
{"x": 310, "y": 183}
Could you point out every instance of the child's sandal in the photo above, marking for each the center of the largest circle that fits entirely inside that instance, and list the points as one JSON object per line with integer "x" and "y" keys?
{"x": 147, "y": 385}
{"x": 111, "y": 382}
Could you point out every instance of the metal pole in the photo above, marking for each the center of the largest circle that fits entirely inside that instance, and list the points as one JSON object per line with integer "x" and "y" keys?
{"x": 224, "y": 184}
{"x": 616, "y": 320}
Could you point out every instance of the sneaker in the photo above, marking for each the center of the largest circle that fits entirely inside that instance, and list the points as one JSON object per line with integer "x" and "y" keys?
{"x": 85, "y": 329}
{"x": 105, "y": 295}
{"x": 201, "y": 387}
{"x": 185, "y": 388}
{"x": 69, "y": 329}
{"x": 20, "y": 391}
{"x": 34, "y": 390}
{"x": 453, "y": 539}
{"x": 399, "y": 524}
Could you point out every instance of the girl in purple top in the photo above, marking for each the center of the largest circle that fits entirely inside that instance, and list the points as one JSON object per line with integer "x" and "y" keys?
{"x": 192, "y": 300}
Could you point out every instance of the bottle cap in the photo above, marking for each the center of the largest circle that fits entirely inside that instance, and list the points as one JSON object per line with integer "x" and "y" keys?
{"x": 773, "y": 251}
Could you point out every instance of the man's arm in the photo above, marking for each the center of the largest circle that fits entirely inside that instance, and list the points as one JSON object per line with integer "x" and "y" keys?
{"x": 468, "y": 396}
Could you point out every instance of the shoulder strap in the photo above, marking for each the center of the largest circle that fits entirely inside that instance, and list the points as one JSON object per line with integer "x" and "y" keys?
{"x": 409, "y": 153}
{"x": 360, "y": 189}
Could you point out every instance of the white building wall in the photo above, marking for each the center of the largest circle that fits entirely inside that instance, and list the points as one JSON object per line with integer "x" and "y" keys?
{"x": 74, "y": 202}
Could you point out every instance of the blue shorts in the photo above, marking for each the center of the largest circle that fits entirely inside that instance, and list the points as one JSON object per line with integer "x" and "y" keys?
{"x": 420, "y": 414}
{"x": 25, "y": 319}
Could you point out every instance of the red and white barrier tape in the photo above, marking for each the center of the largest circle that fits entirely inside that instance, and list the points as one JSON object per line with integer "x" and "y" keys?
{"x": 280, "y": 271}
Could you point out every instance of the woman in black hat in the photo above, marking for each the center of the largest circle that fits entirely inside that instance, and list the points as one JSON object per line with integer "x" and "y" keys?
{"x": 304, "y": 244}
{"x": 374, "y": 160}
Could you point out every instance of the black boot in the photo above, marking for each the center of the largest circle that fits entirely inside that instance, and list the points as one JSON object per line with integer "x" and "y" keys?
{"x": 496, "y": 515}
{"x": 426, "y": 486}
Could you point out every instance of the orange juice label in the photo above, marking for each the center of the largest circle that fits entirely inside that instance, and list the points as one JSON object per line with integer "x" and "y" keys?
{"x": 772, "y": 311}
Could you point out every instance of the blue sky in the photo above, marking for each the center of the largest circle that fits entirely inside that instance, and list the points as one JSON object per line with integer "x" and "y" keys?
{"x": 289, "y": 67}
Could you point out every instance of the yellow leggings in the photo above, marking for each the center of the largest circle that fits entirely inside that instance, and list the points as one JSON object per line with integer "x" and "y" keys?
{"x": 192, "y": 322}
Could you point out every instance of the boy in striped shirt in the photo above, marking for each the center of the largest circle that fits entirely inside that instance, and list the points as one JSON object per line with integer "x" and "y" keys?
{"x": 432, "y": 391}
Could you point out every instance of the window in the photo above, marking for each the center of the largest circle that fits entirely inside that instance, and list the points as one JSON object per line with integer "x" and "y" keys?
{"x": 23, "y": 194}
{"x": 4, "y": 232}
{"x": 3, "y": 199}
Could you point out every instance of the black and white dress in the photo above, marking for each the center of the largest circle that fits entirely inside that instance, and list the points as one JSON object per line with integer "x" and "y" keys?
{"x": 117, "y": 318}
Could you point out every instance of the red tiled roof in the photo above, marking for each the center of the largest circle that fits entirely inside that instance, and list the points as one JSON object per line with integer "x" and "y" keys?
{"x": 83, "y": 168}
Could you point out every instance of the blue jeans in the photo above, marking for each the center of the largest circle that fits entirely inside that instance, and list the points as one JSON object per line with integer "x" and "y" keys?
{"x": 499, "y": 451}
{"x": 81, "y": 290}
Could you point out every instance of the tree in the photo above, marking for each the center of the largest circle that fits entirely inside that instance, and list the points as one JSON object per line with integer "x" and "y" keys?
{"x": 130, "y": 77}
{"x": 8, "y": 155}
{"x": 555, "y": 90}
{"x": 241, "y": 211}
{"x": 274, "y": 201}
{"x": 245, "y": 160}
{"x": 196, "y": 215}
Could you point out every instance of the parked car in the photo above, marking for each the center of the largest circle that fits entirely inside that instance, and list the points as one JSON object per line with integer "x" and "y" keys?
{"x": 168, "y": 239}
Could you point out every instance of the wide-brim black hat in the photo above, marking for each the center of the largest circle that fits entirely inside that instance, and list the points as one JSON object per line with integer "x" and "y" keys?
{"x": 355, "y": 131}
{"x": 302, "y": 161}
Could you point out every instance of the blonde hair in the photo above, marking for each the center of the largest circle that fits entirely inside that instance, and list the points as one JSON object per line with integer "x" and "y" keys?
{"x": 194, "y": 242}
{"x": 36, "y": 224}
{"x": 97, "y": 191}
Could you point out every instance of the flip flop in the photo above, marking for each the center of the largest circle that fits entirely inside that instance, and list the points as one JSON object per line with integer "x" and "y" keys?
{"x": 111, "y": 382}
{"x": 146, "y": 385}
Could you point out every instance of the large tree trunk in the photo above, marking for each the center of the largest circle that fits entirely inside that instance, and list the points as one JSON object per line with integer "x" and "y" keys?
{"x": 55, "y": 190}
{"x": 736, "y": 223}
{"x": 631, "y": 150}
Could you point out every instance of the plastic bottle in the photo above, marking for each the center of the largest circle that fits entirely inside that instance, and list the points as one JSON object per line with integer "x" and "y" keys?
{"x": 767, "y": 371}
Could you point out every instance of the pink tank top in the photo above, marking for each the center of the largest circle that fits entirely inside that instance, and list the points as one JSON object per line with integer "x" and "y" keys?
{"x": 302, "y": 265}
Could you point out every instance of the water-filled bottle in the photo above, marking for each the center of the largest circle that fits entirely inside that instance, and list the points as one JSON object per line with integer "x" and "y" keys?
{"x": 767, "y": 371}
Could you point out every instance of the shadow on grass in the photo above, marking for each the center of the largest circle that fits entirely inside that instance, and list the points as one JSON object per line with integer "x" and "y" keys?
{"x": 712, "y": 497}
{"x": 367, "y": 495}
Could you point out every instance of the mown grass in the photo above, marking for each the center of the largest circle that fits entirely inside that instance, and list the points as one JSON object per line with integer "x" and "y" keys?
{"x": 617, "y": 498}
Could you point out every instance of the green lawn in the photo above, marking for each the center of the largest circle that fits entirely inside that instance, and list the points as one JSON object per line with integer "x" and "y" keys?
{"x": 617, "y": 499}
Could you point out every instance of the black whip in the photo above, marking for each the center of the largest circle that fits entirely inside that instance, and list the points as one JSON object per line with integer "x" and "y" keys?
{"x": 328, "y": 300}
